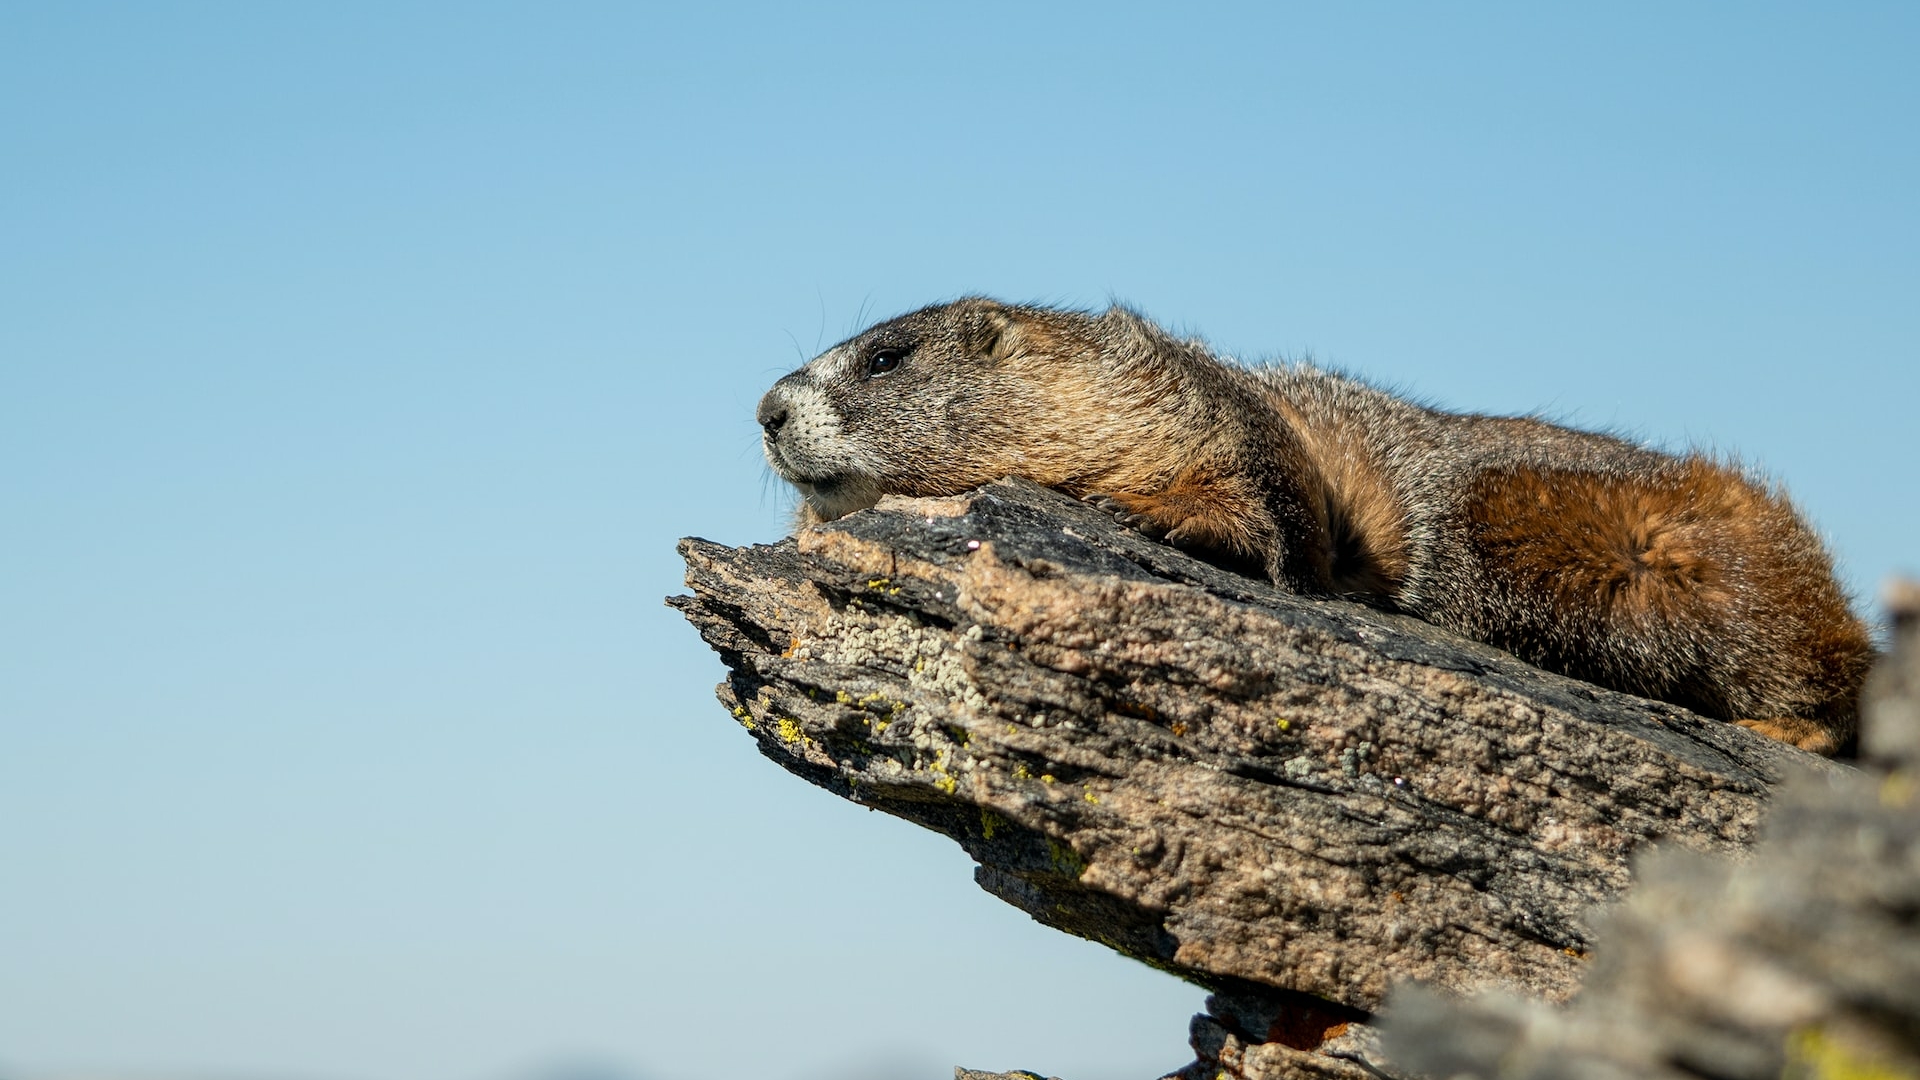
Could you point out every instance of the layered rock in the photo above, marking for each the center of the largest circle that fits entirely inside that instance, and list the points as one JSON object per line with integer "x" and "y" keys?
{"x": 1298, "y": 803}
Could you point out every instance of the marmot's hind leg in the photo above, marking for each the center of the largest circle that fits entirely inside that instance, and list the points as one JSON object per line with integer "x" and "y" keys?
{"x": 1678, "y": 579}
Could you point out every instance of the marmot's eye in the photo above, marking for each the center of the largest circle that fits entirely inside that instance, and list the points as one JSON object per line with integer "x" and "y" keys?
{"x": 885, "y": 360}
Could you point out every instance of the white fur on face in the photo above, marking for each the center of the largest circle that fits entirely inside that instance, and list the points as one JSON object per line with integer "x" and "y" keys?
{"x": 841, "y": 499}
{"x": 812, "y": 452}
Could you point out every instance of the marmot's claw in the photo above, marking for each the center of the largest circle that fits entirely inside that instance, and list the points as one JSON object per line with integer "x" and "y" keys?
{"x": 1140, "y": 523}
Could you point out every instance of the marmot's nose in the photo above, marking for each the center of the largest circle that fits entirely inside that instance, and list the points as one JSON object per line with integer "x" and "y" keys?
{"x": 772, "y": 414}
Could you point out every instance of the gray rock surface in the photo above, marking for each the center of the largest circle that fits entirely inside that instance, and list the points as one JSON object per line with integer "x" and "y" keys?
{"x": 1297, "y": 803}
{"x": 1801, "y": 962}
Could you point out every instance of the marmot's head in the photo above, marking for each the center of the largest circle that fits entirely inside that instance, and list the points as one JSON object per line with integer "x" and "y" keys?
{"x": 954, "y": 396}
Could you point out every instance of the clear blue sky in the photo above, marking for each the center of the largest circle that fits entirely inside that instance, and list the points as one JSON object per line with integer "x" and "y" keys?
{"x": 359, "y": 365}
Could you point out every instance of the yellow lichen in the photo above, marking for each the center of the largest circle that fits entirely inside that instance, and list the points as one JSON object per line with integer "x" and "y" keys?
{"x": 990, "y": 822}
{"x": 1065, "y": 860}
{"x": 1812, "y": 1054}
{"x": 1898, "y": 789}
{"x": 789, "y": 731}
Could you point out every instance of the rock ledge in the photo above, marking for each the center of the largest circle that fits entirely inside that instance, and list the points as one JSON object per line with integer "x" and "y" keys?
{"x": 1297, "y": 803}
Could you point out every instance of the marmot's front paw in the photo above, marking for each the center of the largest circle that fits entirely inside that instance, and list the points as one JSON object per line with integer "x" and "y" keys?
{"x": 1193, "y": 519}
{"x": 1796, "y": 731}
{"x": 1127, "y": 512}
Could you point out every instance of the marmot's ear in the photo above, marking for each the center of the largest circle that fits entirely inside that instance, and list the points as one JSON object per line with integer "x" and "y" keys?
{"x": 1127, "y": 336}
{"x": 1129, "y": 324}
{"x": 994, "y": 331}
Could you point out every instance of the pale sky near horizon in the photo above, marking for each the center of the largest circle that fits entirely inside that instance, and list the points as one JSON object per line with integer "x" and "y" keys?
{"x": 359, "y": 366}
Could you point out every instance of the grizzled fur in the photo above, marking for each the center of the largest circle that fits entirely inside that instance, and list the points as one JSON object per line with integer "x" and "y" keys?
{"x": 1678, "y": 578}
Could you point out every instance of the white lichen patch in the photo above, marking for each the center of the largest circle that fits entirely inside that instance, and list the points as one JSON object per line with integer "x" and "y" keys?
{"x": 1353, "y": 760}
{"x": 941, "y": 697}
{"x": 933, "y": 661}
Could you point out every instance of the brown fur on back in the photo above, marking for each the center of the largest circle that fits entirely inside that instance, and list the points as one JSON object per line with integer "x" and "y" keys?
{"x": 1679, "y": 578}
{"x": 1690, "y": 559}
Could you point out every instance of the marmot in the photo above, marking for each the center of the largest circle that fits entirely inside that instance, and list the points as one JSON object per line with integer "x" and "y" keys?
{"x": 1674, "y": 577}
